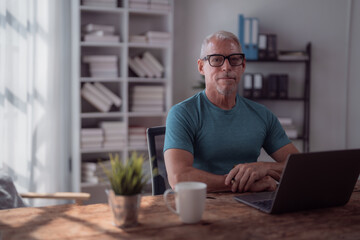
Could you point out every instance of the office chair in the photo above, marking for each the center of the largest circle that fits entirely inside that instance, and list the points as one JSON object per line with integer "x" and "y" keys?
{"x": 155, "y": 139}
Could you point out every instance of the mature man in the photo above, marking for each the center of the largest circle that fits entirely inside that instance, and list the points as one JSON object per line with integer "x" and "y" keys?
{"x": 216, "y": 136}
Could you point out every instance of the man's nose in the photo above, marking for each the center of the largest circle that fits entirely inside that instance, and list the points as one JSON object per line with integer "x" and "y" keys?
{"x": 226, "y": 66}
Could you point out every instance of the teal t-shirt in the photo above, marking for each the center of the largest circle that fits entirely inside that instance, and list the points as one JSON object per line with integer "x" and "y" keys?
{"x": 219, "y": 139}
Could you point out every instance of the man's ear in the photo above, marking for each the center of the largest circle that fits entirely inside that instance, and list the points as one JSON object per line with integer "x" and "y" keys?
{"x": 201, "y": 66}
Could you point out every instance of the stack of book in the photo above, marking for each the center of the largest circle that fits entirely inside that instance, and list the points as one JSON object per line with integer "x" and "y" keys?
{"x": 92, "y": 172}
{"x": 159, "y": 5}
{"x": 290, "y": 129}
{"x": 91, "y": 138}
{"x": 114, "y": 134}
{"x": 137, "y": 136}
{"x": 147, "y": 98}
{"x": 100, "y": 96}
{"x": 102, "y": 65}
{"x": 100, "y": 3}
{"x": 158, "y": 37}
{"x": 150, "y": 4}
{"x": 99, "y": 33}
{"x": 293, "y": 55}
{"x": 147, "y": 66}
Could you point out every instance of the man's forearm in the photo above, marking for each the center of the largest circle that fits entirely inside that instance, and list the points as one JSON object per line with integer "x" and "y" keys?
{"x": 215, "y": 183}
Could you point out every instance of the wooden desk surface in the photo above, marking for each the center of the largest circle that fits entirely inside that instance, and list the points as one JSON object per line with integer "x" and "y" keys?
{"x": 224, "y": 218}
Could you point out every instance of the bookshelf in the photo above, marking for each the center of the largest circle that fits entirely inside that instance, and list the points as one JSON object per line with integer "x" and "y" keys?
{"x": 126, "y": 20}
{"x": 299, "y": 98}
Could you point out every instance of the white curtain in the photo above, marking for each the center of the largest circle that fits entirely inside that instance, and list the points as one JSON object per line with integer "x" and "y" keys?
{"x": 35, "y": 94}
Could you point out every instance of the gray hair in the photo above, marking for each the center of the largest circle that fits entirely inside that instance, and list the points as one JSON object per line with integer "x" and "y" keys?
{"x": 221, "y": 35}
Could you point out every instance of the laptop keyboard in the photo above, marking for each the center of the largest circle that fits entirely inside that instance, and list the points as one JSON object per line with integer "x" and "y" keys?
{"x": 265, "y": 204}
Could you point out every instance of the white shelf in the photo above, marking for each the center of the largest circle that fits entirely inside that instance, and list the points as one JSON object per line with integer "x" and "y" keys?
{"x": 100, "y": 44}
{"x": 126, "y": 22}
{"x": 102, "y": 9}
{"x": 102, "y": 115}
{"x": 93, "y": 79}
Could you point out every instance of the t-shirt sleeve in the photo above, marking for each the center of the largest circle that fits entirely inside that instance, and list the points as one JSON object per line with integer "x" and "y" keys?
{"x": 180, "y": 131}
{"x": 276, "y": 136}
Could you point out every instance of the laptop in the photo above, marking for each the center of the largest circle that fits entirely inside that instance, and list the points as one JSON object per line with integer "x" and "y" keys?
{"x": 310, "y": 181}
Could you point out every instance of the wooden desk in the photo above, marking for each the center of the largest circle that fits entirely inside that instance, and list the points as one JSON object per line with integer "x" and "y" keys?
{"x": 224, "y": 218}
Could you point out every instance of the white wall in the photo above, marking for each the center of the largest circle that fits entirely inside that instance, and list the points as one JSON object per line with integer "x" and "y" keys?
{"x": 330, "y": 25}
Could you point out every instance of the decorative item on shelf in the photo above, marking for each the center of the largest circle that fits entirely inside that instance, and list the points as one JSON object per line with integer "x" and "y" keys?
{"x": 127, "y": 181}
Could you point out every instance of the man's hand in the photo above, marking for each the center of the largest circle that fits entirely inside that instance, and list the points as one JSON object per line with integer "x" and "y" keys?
{"x": 242, "y": 176}
{"x": 267, "y": 183}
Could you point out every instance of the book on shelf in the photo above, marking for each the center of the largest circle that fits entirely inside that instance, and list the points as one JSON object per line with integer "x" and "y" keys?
{"x": 137, "y": 39}
{"x": 100, "y": 58}
{"x": 94, "y": 90}
{"x": 106, "y": 29}
{"x": 100, "y": 3}
{"x": 113, "y": 144}
{"x": 135, "y": 67}
{"x": 114, "y": 138}
{"x": 112, "y": 125}
{"x": 143, "y": 67}
{"x": 148, "y": 64}
{"x": 94, "y": 100}
{"x": 102, "y": 65}
{"x": 94, "y": 139}
{"x": 158, "y": 37}
{"x": 116, "y": 100}
{"x": 137, "y": 130}
{"x": 105, "y": 38}
{"x": 91, "y": 132}
{"x": 91, "y": 145}
{"x": 155, "y": 5}
{"x": 149, "y": 57}
{"x": 138, "y": 5}
{"x": 138, "y": 101}
{"x": 152, "y": 108}
{"x": 148, "y": 89}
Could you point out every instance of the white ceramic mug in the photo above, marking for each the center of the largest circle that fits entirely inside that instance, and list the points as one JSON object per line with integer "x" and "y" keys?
{"x": 189, "y": 200}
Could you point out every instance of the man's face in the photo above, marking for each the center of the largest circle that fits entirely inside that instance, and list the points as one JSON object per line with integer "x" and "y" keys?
{"x": 224, "y": 79}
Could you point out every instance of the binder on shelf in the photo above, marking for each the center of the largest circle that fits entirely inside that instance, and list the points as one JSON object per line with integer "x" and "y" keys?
{"x": 271, "y": 47}
{"x": 241, "y": 31}
{"x": 272, "y": 83}
{"x": 254, "y": 39}
{"x": 258, "y": 85}
{"x": 262, "y": 46}
{"x": 283, "y": 83}
{"x": 248, "y": 85}
{"x": 247, "y": 38}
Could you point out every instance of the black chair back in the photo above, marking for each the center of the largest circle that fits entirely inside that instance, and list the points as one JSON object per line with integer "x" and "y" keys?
{"x": 155, "y": 139}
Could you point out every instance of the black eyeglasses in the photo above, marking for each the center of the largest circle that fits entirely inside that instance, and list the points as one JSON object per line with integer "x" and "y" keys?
{"x": 217, "y": 60}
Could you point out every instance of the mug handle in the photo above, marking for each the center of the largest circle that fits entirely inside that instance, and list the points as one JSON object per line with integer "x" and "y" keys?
{"x": 166, "y": 200}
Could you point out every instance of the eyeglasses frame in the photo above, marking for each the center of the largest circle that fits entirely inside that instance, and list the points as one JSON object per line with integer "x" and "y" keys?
{"x": 225, "y": 57}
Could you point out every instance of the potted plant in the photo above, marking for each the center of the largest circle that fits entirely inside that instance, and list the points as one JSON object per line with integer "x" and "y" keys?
{"x": 127, "y": 180}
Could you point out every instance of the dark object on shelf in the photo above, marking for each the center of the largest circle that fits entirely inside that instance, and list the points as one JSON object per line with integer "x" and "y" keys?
{"x": 272, "y": 86}
{"x": 283, "y": 85}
